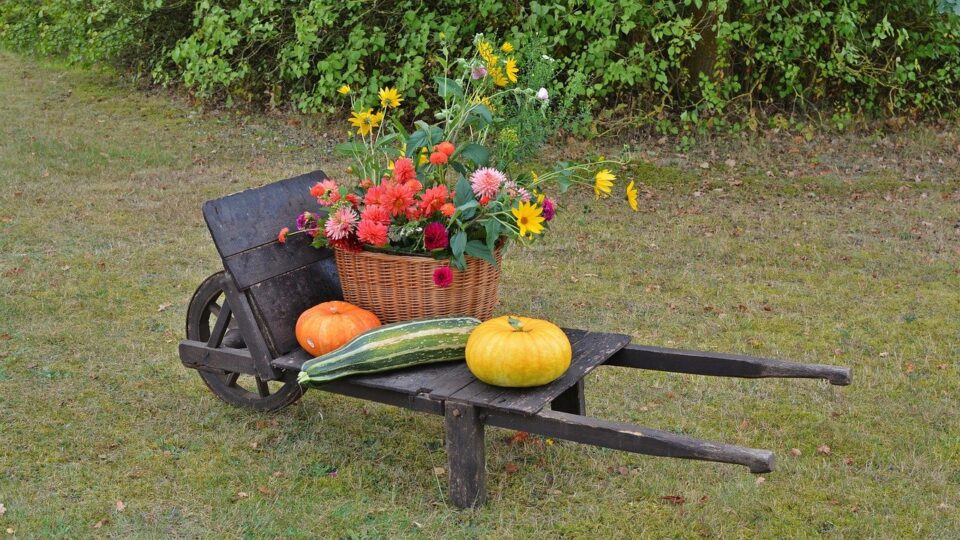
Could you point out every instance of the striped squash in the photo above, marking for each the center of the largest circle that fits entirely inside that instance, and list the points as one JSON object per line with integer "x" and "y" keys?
{"x": 393, "y": 346}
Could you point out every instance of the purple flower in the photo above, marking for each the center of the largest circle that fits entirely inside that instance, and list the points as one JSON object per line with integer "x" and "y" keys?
{"x": 304, "y": 220}
{"x": 478, "y": 72}
{"x": 435, "y": 236}
{"x": 549, "y": 210}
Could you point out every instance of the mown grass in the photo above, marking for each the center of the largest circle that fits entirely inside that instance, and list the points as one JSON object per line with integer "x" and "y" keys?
{"x": 102, "y": 243}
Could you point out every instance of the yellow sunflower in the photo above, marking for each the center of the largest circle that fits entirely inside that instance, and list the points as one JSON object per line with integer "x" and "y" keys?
{"x": 365, "y": 121}
{"x": 389, "y": 98}
{"x": 486, "y": 52}
{"x": 632, "y": 196}
{"x": 497, "y": 75}
{"x": 507, "y": 47}
{"x": 529, "y": 218}
{"x": 344, "y": 90}
{"x": 603, "y": 182}
{"x": 511, "y": 68}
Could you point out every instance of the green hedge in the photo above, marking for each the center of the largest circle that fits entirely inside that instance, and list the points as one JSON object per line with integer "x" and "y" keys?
{"x": 663, "y": 63}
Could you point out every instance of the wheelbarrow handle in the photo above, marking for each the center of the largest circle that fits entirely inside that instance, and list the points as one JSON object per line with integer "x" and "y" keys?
{"x": 723, "y": 365}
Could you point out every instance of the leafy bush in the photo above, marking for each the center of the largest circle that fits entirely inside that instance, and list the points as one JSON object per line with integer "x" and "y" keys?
{"x": 676, "y": 65}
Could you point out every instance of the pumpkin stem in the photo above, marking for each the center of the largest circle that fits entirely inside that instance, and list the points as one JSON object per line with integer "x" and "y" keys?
{"x": 515, "y": 323}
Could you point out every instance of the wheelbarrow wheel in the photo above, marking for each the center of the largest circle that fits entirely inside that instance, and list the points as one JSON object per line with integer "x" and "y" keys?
{"x": 237, "y": 389}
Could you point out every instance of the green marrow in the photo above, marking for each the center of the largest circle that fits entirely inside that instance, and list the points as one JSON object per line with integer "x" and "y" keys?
{"x": 393, "y": 346}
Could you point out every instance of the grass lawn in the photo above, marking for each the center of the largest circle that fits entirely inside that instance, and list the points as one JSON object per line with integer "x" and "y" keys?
{"x": 102, "y": 244}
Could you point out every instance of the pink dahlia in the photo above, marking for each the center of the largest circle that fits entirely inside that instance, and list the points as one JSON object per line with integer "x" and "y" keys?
{"x": 341, "y": 223}
{"x": 435, "y": 236}
{"x": 443, "y": 277}
{"x": 372, "y": 232}
{"x": 487, "y": 181}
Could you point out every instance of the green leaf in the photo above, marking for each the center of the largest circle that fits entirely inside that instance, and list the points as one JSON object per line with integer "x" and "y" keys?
{"x": 481, "y": 111}
{"x": 458, "y": 244}
{"x": 417, "y": 140}
{"x": 564, "y": 183}
{"x": 459, "y": 262}
{"x": 479, "y": 155}
{"x": 350, "y": 148}
{"x": 478, "y": 249}
{"x": 463, "y": 193}
{"x": 448, "y": 87}
{"x": 493, "y": 228}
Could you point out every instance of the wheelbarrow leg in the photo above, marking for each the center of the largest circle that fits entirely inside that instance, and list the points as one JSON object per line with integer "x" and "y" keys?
{"x": 465, "y": 454}
{"x": 571, "y": 400}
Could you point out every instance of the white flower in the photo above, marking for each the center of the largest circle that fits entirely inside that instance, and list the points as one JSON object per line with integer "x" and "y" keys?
{"x": 543, "y": 95}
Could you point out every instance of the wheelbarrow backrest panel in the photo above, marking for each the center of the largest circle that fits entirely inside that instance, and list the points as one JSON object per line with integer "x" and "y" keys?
{"x": 280, "y": 280}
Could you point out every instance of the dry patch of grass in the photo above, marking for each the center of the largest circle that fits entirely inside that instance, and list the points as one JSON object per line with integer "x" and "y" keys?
{"x": 102, "y": 243}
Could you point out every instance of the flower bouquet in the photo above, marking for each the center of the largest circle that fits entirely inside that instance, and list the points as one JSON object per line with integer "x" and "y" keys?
{"x": 421, "y": 230}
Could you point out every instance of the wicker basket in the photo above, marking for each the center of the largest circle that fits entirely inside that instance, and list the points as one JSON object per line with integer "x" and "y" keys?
{"x": 401, "y": 288}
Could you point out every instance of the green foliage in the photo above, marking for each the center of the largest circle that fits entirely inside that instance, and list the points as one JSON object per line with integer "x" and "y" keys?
{"x": 681, "y": 66}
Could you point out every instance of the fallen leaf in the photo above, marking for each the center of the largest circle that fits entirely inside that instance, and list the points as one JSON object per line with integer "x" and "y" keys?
{"x": 674, "y": 499}
{"x": 511, "y": 468}
{"x": 163, "y": 307}
{"x": 3, "y": 509}
{"x": 909, "y": 368}
{"x": 704, "y": 165}
{"x": 264, "y": 490}
{"x": 101, "y": 523}
{"x": 439, "y": 470}
{"x": 884, "y": 354}
{"x": 519, "y": 437}
{"x": 760, "y": 480}
{"x": 742, "y": 308}
{"x": 418, "y": 524}
{"x": 795, "y": 452}
{"x": 823, "y": 449}
{"x": 121, "y": 506}
{"x": 767, "y": 307}
{"x": 703, "y": 499}
{"x": 554, "y": 492}
{"x": 848, "y": 460}
{"x": 623, "y": 470}
{"x": 242, "y": 494}
{"x": 254, "y": 445}
{"x": 730, "y": 163}
{"x": 11, "y": 530}
{"x": 278, "y": 474}
{"x": 942, "y": 366}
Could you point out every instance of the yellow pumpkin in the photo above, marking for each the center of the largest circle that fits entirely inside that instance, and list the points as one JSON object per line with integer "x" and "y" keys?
{"x": 327, "y": 326}
{"x": 518, "y": 351}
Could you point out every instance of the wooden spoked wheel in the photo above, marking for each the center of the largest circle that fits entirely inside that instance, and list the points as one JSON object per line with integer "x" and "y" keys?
{"x": 237, "y": 389}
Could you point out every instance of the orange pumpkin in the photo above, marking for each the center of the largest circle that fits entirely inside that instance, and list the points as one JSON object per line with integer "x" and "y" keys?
{"x": 327, "y": 326}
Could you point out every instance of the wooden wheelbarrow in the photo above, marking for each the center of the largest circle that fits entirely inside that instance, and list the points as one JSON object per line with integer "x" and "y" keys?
{"x": 240, "y": 339}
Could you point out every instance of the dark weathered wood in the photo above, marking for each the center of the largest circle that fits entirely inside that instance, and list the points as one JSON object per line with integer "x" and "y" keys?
{"x": 264, "y": 262}
{"x": 279, "y": 301}
{"x": 453, "y": 380}
{"x": 571, "y": 400}
{"x": 250, "y": 328}
{"x": 220, "y": 327}
{"x": 465, "y": 454}
{"x": 398, "y": 399}
{"x": 723, "y": 365}
{"x": 197, "y": 355}
{"x": 631, "y": 438}
{"x": 252, "y": 218}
